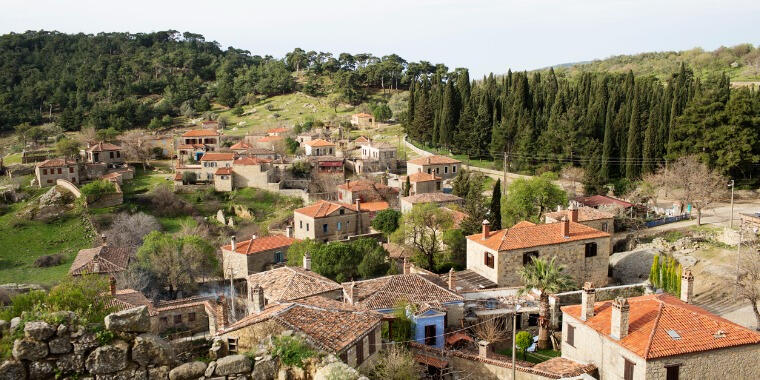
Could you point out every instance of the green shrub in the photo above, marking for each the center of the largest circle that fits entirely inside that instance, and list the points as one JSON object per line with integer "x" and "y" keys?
{"x": 96, "y": 189}
{"x": 523, "y": 340}
{"x": 292, "y": 351}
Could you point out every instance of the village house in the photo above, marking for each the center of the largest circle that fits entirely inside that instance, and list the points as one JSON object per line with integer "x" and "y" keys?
{"x": 329, "y": 221}
{"x": 363, "y": 120}
{"x": 105, "y": 259}
{"x": 109, "y": 154}
{"x": 252, "y": 172}
{"x": 603, "y": 202}
{"x": 363, "y": 190}
{"x": 319, "y": 147}
{"x": 269, "y": 142}
{"x": 658, "y": 337}
{"x": 241, "y": 147}
{"x": 223, "y": 179}
{"x": 288, "y": 283}
{"x": 48, "y": 171}
{"x": 210, "y": 162}
{"x": 161, "y": 146}
{"x": 582, "y": 250}
{"x": 442, "y": 166}
{"x": 254, "y": 255}
{"x": 432, "y": 307}
{"x": 303, "y": 138}
{"x": 330, "y": 165}
{"x": 441, "y": 199}
{"x": 420, "y": 183}
{"x": 598, "y": 219}
{"x": 361, "y": 141}
{"x": 329, "y": 326}
{"x": 279, "y": 131}
{"x": 196, "y": 142}
{"x": 378, "y": 151}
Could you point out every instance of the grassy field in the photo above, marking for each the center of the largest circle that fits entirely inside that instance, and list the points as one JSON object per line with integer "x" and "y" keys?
{"x": 533, "y": 357}
{"x": 487, "y": 164}
{"x": 14, "y": 158}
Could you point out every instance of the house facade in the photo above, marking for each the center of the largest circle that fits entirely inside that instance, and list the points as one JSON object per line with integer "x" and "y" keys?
{"x": 421, "y": 183}
{"x": 254, "y": 255}
{"x": 210, "y": 162}
{"x": 363, "y": 190}
{"x": 109, "y": 154}
{"x": 319, "y": 147}
{"x": 196, "y": 142}
{"x": 582, "y": 250}
{"x": 362, "y": 120}
{"x": 441, "y": 199}
{"x": 329, "y": 221}
{"x": 441, "y": 166}
{"x": 48, "y": 171}
{"x": 597, "y": 219}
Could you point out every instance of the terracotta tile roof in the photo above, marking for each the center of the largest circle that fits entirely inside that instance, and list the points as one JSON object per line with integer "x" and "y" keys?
{"x": 103, "y": 147}
{"x": 261, "y": 244}
{"x": 323, "y": 208}
{"x": 55, "y": 162}
{"x": 128, "y": 298}
{"x": 373, "y": 206}
{"x": 291, "y": 283}
{"x": 652, "y": 316}
{"x": 386, "y": 292}
{"x": 563, "y": 367}
{"x": 434, "y": 160}
{"x": 250, "y": 161}
{"x": 361, "y": 139}
{"x": 223, "y": 171}
{"x": 457, "y": 216}
{"x": 178, "y": 177}
{"x": 329, "y": 328}
{"x": 277, "y": 130}
{"x": 397, "y": 251}
{"x": 422, "y": 177}
{"x": 457, "y": 337}
{"x": 319, "y": 142}
{"x": 108, "y": 259}
{"x": 185, "y": 146}
{"x": 535, "y": 236}
{"x": 431, "y": 197}
{"x": 260, "y": 151}
{"x": 209, "y": 156}
{"x": 431, "y": 361}
{"x": 524, "y": 223}
{"x": 602, "y": 200}
{"x": 240, "y": 145}
{"x": 362, "y": 185}
{"x": 585, "y": 213}
{"x": 200, "y": 133}
{"x": 362, "y": 114}
{"x": 112, "y": 175}
{"x": 468, "y": 280}
{"x": 269, "y": 139}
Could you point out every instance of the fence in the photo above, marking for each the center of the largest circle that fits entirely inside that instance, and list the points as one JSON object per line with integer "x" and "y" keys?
{"x": 670, "y": 219}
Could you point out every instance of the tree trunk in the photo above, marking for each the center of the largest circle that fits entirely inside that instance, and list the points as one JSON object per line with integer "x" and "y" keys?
{"x": 543, "y": 322}
{"x": 699, "y": 216}
{"x": 757, "y": 314}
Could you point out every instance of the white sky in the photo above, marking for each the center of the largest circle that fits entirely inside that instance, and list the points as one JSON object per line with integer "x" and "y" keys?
{"x": 485, "y": 36}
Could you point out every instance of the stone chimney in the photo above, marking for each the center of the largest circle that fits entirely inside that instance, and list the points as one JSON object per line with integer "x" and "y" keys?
{"x": 486, "y": 229}
{"x": 687, "y": 286}
{"x": 588, "y": 298}
{"x": 619, "y": 320}
{"x": 256, "y": 299}
{"x": 451, "y": 279}
{"x": 222, "y": 313}
{"x": 307, "y": 261}
{"x": 289, "y": 231}
{"x": 565, "y": 227}
{"x": 573, "y": 213}
{"x": 232, "y": 243}
{"x": 253, "y": 237}
{"x": 112, "y": 285}
{"x": 405, "y": 269}
{"x": 351, "y": 294}
{"x": 483, "y": 348}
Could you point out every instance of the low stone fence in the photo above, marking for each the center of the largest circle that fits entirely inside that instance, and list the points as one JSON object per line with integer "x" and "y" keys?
{"x": 72, "y": 188}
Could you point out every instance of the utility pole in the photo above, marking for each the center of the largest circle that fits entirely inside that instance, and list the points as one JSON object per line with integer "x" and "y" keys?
{"x": 504, "y": 182}
{"x": 738, "y": 255}
{"x": 514, "y": 336}
{"x": 731, "y": 222}
{"x": 232, "y": 291}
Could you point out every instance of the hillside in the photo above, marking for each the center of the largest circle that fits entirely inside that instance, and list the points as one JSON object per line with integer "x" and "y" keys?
{"x": 741, "y": 63}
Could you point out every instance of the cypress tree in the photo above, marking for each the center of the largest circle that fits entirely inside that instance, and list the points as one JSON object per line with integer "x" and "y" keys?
{"x": 495, "y": 214}
{"x": 410, "y": 109}
{"x": 407, "y": 186}
{"x": 633, "y": 152}
{"x": 654, "y": 272}
{"x": 447, "y": 115}
{"x": 609, "y": 141}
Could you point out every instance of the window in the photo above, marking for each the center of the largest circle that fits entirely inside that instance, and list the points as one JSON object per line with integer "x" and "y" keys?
{"x": 488, "y": 259}
{"x": 438, "y": 186}
{"x": 604, "y": 227}
{"x": 430, "y": 335}
{"x": 110, "y": 154}
{"x": 454, "y": 169}
{"x": 532, "y": 319}
{"x": 324, "y": 228}
{"x": 437, "y": 170}
{"x": 232, "y": 345}
{"x": 300, "y": 224}
{"x": 279, "y": 257}
{"x": 118, "y": 153}
{"x": 590, "y": 249}
{"x": 527, "y": 257}
{"x": 429, "y": 172}
{"x": 339, "y": 226}
{"x": 627, "y": 369}
{"x": 191, "y": 317}
{"x": 178, "y": 319}
{"x": 445, "y": 170}
{"x": 44, "y": 171}
{"x": 570, "y": 335}
{"x": 672, "y": 372}
{"x": 344, "y": 356}
{"x": 59, "y": 170}
{"x": 342, "y": 211}
{"x": 71, "y": 169}
{"x": 518, "y": 320}
{"x": 307, "y": 226}
{"x": 50, "y": 181}
{"x": 359, "y": 351}
{"x": 371, "y": 338}
{"x": 164, "y": 321}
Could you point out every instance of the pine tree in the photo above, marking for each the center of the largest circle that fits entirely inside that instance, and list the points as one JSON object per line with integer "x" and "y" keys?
{"x": 407, "y": 186}
{"x": 633, "y": 152}
{"x": 495, "y": 211}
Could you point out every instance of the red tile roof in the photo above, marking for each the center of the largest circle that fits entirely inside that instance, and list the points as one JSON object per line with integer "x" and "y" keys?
{"x": 524, "y": 223}
{"x": 431, "y": 361}
{"x": 200, "y": 133}
{"x": 526, "y": 236}
{"x": 585, "y": 213}
{"x": 361, "y": 185}
{"x": 277, "y": 130}
{"x": 261, "y": 244}
{"x": 361, "y": 139}
{"x": 240, "y": 145}
{"x": 103, "y": 147}
{"x": 431, "y": 197}
{"x": 55, "y": 162}
{"x": 106, "y": 258}
{"x": 422, "y": 177}
{"x": 209, "y": 156}
{"x": 373, "y": 206}
{"x": 434, "y": 160}
{"x": 319, "y": 142}
{"x": 386, "y": 292}
{"x": 362, "y": 114}
{"x": 291, "y": 283}
{"x": 178, "y": 176}
{"x": 563, "y": 367}
{"x": 223, "y": 171}
{"x": 652, "y": 316}
{"x": 603, "y": 200}
{"x": 323, "y": 208}
{"x": 250, "y": 161}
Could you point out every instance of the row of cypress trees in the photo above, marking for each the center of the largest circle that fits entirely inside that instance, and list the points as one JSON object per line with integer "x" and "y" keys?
{"x": 665, "y": 274}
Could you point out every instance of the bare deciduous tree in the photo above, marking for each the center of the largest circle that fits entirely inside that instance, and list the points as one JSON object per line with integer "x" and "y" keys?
{"x": 396, "y": 363}
{"x": 128, "y": 230}
{"x": 748, "y": 282}
{"x": 422, "y": 229}
{"x": 491, "y": 330}
{"x": 573, "y": 174}
{"x": 133, "y": 143}
{"x": 697, "y": 184}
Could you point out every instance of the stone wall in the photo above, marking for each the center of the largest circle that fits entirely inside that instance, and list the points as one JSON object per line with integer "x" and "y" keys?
{"x": 69, "y": 186}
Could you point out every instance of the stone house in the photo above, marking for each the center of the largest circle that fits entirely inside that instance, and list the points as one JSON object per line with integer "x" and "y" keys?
{"x": 657, "y": 336}
{"x": 269, "y": 142}
{"x": 319, "y": 147}
{"x": 328, "y": 325}
{"x": 363, "y": 190}
{"x": 105, "y": 259}
{"x": 597, "y": 219}
{"x": 223, "y": 179}
{"x": 210, "y": 162}
{"x": 442, "y": 166}
{"x": 48, "y": 171}
{"x": 305, "y": 137}
{"x": 604, "y": 202}
{"x": 196, "y": 142}
{"x": 363, "y": 120}
{"x": 255, "y": 255}
{"x": 378, "y": 151}
{"x": 329, "y": 221}
{"x": 421, "y": 183}
{"x": 441, "y": 199}
{"x": 582, "y": 250}
{"x": 241, "y": 147}
{"x": 328, "y": 165}
{"x": 279, "y": 131}
{"x": 252, "y": 172}
{"x": 109, "y": 154}
{"x": 287, "y": 283}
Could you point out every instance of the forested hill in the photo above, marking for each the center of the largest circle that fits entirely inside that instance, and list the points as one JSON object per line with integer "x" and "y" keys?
{"x": 741, "y": 63}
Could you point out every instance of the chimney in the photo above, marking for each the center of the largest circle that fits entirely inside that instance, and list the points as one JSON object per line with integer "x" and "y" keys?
{"x": 289, "y": 231}
{"x": 253, "y": 237}
{"x": 359, "y": 227}
{"x": 232, "y": 243}
{"x": 483, "y": 348}
{"x": 687, "y": 286}
{"x": 112, "y": 285}
{"x": 351, "y": 294}
{"x": 588, "y": 298}
{"x": 619, "y": 320}
{"x": 451, "y": 278}
{"x": 405, "y": 269}
{"x": 307, "y": 261}
{"x": 486, "y": 229}
{"x": 256, "y": 299}
{"x": 348, "y": 181}
{"x": 559, "y": 207}
{"x": 565, "y": 227}
{"x": 573, "y": 214}
{"x": 221, "y": 313}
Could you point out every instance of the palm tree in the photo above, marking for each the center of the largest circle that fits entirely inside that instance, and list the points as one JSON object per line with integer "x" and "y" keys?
{"x": 547, "y": 277}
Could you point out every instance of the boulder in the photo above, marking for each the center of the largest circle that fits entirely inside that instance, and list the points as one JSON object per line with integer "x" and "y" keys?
{"x": 210, "y": 369}
{"x": 133, "y": 372}
{"x": 158, "y": 373}
{"x": 188, "y": 371}
{"x": 70, "y": 363}
{"x": 60, "y": 345}
{"x": 12, "y": 370}
{"x": 62, "y": 330}
{"x": 41, "y": 370}
{"x": 28, "y": 349}
{"x": 149, "y": 349}
{"x": 265, "y": 369}
{"x": 135, "y": 320}
{"x": 233, "y": 364}
{"x": 64, "y": 317}
{"x": 4, "y": 325}
{"x": 39, "y": 330}
{"x": 107, "y": 359}
{"x": 218, "y": 349}
{"x": 15, "y": 322}
{"x": 85, "y": 343}
{"x": 336, "y": 370}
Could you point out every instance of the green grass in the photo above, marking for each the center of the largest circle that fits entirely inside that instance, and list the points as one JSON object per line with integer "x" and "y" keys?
{"x": 11, "y": 159}
{"x": 145, "y": 181}
{"x": 486, "y": 164}
{"x": 533, "y": 357}
{"x": 174, "y": 224}
{"x": 22, "y": 243}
